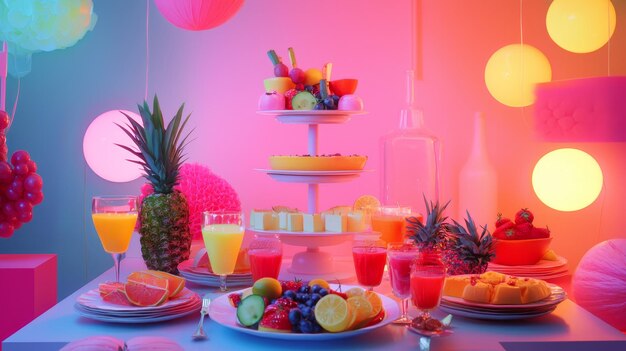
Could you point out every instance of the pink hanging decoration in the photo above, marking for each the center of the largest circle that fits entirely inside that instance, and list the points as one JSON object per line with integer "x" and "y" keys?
{"x": 20, "y": 186}
{"x": 198, "y": 14}
{"x": 204, "y": 191}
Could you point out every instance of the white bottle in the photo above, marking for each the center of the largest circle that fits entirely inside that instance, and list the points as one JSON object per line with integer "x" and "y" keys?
{"x": 478, "y": 181}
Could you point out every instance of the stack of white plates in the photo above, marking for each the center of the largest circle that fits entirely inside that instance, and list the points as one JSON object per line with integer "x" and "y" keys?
{"x": 541, "y": 270}
{"x": 202, "y": 276}
{"x": 91, "y": 305}
{"x": 460, "y": 307}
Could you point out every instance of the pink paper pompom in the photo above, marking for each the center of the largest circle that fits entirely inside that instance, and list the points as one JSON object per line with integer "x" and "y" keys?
{"x": 204, "y": 191}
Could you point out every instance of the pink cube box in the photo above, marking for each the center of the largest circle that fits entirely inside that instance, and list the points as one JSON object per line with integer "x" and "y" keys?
{"x": 28, "y": 287}
{"x": 581, "y": 110}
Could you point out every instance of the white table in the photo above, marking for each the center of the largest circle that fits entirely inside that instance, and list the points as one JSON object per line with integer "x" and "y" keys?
{"x": 568, "y": 323}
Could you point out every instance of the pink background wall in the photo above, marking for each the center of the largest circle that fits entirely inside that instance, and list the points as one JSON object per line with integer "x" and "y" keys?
{"x": 218, "y": 74}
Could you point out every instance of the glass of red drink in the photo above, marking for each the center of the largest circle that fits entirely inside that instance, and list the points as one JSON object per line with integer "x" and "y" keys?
{"x": 370, "y": 255}
{"x": 266, "y": 255}
{"x": 400, "y": 257}
{"x": 427, "y": 278}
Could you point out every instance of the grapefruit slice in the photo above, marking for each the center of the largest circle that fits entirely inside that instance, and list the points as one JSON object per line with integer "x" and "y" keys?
{"x": 145, "y": 295}
{"x": 112, "y": 292}
{"x": 175, "y": 283}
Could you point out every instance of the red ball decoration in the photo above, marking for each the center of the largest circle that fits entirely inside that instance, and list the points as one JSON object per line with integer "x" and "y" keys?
{"x": 20, "y": 187}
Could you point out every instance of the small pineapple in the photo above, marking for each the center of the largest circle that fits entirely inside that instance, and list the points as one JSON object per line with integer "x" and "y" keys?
{"x": 432, "y": 234}
{"x": 164, "y": 215}
{"x": 474, "y": 251}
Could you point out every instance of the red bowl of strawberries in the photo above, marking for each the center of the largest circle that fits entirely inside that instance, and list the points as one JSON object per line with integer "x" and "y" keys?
{"x": 519, "y": 242}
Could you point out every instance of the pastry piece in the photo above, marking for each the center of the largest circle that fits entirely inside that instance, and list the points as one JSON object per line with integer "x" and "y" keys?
{"x": 337, "y": 223}
{"x": 356, "y": 221}
{"x": 454, "y": 286}
{"x": 335, "y": 162}
{"x": 478, "y": 291}
{"x": 312, "y": 222}
{"x": 264, "y": 220}
{"x": 505, "y": 294}
{"x": 295, "y": 222}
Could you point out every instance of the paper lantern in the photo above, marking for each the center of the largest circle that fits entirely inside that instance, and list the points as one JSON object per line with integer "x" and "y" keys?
{"x": 567, "y": 179}
{"x": 599, "y": 283}
{"x": 198, "y": 14}
{"x": 30, "y": 26}
{"x": 103, "y": 156}
{"x": 581, "y": 26}
{"x": 513, "y": 71}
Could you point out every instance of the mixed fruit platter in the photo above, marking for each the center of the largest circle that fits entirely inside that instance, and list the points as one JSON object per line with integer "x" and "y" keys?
{"x": 294, "y": 307}
{"x": 313, "y": 89}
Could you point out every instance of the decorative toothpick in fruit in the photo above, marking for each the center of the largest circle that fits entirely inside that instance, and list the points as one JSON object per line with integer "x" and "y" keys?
{"x": 474, "y": 250}
{"x": 296, "y": 74}
{"x": 280, "y": 69}
{"x": 165, "y": 236}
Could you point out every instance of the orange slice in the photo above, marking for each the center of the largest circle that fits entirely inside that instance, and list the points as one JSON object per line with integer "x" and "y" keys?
{"x": 321, "y": 282}
{"x": 367, "y": 203}
{"x": 356, "y": 291}
{"x": 333, "y": 314}
{"x": 175, "y": 283}
{"x": 362, "y": 308}
{"x": 375, "y": 301}
{"x": 142, "y": 294}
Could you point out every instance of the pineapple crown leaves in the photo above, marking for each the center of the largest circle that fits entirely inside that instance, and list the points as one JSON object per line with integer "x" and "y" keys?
{"x": 470, "y": 245}
{"x": 159, "y": 148}
{"x": 432, "y": 233}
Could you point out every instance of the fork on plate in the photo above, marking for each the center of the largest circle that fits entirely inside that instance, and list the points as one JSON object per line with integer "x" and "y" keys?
{"x": 200, "y": 334}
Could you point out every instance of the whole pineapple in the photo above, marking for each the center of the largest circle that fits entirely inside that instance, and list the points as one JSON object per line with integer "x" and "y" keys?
{"x": 474, "y": 251}
{"x": 164, "y": 215}
{"x": 432, "y": 233}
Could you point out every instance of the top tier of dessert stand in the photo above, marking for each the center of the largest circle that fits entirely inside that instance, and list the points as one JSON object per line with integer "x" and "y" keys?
{"x": 313, "y": 262}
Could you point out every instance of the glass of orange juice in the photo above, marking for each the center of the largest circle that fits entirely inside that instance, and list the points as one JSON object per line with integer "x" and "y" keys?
{"x": 390, "y": 222}
{"x": 223, "y": 234}
{"x": 114, "y": 218}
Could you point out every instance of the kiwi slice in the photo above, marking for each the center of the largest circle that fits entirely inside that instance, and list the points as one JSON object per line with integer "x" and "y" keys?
{"x": 250, "y": 310}
{"x": 303, "y": 101}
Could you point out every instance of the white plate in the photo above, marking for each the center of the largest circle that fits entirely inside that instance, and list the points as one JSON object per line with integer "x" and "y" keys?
{"x": 92, "y": 300}
{"x": 308, "y": 239}
{"x": 541, "y": 265}
{"x": 312, "y": 177}
{"x": 500, "y": 316}
{"x": 134, "y": 319}
{"x": 223, "y": 313}
{"x": 311, "y": 116}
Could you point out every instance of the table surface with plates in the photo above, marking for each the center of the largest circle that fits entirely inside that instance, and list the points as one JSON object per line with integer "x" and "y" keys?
{"x": 568, "y": 327}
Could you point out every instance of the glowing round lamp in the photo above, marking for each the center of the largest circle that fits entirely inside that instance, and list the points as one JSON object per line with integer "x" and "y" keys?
{"x": 567, "y": 179}
{"x": 513, "y": 71}
{"x": 581, "y": 26}
{"x": 198, "y": 14}
{"x": 103, "y": 156}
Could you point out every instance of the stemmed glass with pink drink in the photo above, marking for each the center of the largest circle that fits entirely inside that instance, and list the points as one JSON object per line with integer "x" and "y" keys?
{"x": 428, "y": 275}
{"x": 370, "y": 255}
{"x": 400, "y": 257}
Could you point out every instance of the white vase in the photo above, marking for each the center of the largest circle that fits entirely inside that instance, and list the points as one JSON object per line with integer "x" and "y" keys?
{"x": 478, "y": 181}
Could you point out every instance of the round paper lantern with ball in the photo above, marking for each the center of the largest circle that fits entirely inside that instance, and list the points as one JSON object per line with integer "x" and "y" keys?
{"x": 21, "y": 187}
{"x": 513, "y": 71}
{"x": 599, "y": 283}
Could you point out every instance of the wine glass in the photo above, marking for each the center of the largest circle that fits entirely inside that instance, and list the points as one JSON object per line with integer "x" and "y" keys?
{"x": 428, "y": 275}
{"x": 369, "y": 255}
{"x": 266, "y": 255}
{"x": 400, "y": 257}
{"x": 223, "y": 234}
{"x": 114, "y": 218}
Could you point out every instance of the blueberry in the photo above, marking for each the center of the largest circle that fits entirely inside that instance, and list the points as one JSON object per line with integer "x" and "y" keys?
{"x": 306, "y": 326}
{"x": 316, "y": 327}
{"x": 294, "y": 316}
{"x": 308, "y": 88}
{"x": 304, "y": 289}
{"x": 323, "y": 292}
{"x": 315, "y": 298}
{"x": 319, "y": 106}
{"x": 290, "y": 294}
{"x": 329, "y": 102}
{"x": 315, "y": 289}
{"x": 335, "y": 99}
{"x": 306, "y": 311}
{"x": 310, "y": 302}
{"x": 300, "y": 297}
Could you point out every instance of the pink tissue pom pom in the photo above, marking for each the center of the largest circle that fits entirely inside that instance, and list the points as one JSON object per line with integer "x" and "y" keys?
{"x": 204, "y": 191}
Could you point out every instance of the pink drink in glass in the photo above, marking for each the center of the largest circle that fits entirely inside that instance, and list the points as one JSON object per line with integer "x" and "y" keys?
{"x": 265, "y": 263}
{"x": 369, "y": 263}
{"x": 426, "y": 288}
{"x": 400, "y": 272}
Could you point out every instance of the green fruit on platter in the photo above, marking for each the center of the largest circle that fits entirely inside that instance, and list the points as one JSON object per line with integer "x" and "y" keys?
{"x": 267, "y": 287}
{"x": 250, "y": 310}
{"x": 303, "y": 101}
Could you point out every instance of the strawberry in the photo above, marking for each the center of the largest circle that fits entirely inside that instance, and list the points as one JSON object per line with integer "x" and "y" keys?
{"x": 275, "y": 320}
{"x": 500, "y": 231}
{"x": 524, "y": 215}
{"x": 537, "y": 233}
{"x": 234, "y": 299}
{"x": 511, "y": 234}
{"x": 285, "y": 302}
{"x": 523, "y": 230}
{"x": 291, "y": 285}
{"x": 501, "y": 220}
{"x": 289, "y": 94}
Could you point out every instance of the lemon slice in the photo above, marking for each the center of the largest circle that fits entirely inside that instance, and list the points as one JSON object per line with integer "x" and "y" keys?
{"x": 356, "y": 291}
{"x": 333, "y": 314}
{"x": 362, "y": 308}
{"x": 366, "y": 203}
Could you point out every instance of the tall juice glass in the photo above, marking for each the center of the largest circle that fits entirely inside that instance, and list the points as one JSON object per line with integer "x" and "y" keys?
{"x": 266, "y": 255}
{"x": 390, "y": 222}
{"x": 223, "y": 234}
{"x": 400, "y": 256}
{"x": 370, "y": 255}
{"x": 427, "y": 278}
{"x": 114, "y": 218}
